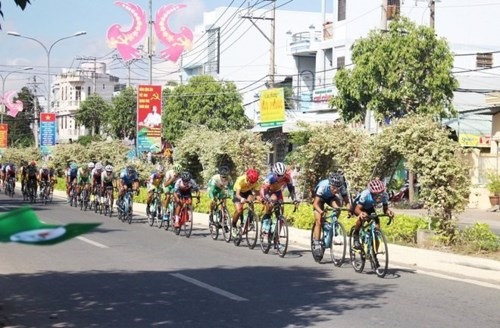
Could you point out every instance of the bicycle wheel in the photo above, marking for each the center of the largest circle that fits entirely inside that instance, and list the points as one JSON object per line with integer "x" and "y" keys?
{"x": 151, "y": 213}
{"x": 338, "y": 244}
{"x": 159, "y": 215}
{"x": 357, "y": 256}
{"x": 188, "y": 222}
{"x": 170, "y": 216}
{"x": 281, "y": 236}
{"x": 129, "y": 211}
{"x": 82, "y": 198}
{"x": 380, "y": 254}
{"x": 312, "y": 242}
{"x": 265, "y": 239}
{"x": 252, "y": 229}
{"x": 213, "y": 225}
{"x": 225, "y": 220}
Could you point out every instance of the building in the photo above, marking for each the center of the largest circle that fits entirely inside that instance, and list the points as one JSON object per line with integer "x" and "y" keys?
{"x": 72, "y": 87}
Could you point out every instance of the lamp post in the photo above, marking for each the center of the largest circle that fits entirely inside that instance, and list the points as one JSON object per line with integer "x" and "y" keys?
{"x": 4, "y": 78}
{"x": 47, "y": 51}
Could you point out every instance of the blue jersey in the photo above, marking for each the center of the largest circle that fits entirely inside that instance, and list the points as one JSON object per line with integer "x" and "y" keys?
{"x": 324, "y": 191}
{"x": 126, "y": 178}
{"x": 366, "y": 200}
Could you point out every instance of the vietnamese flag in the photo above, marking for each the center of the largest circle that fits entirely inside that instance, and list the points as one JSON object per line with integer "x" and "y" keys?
{"x": 23, "y": 226}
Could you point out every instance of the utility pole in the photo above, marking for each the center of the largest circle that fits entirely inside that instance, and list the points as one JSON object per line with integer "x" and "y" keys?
{"x": 150, "y": 42}
{"x": 36, "y": 112}
{"x": 272, "y": 39}
{"x": 432, "y": 6}
{"x": 383, "y": 17}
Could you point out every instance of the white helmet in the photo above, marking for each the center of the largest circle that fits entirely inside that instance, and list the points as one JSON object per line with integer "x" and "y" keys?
{"x": 90, "y": 165}
{"x": 109, "y": 168}
{"x": 279, "y": 168}
{"x": 98, "y": 166}
{"x": 160, "y": 168}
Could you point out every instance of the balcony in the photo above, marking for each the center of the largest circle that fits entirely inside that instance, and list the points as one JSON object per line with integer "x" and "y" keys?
{"x": 303, "y": 43}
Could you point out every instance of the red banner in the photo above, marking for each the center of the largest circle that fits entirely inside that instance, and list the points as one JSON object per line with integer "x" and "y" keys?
{"x": 149, "y": 118}
{"x": 4, "y": 130}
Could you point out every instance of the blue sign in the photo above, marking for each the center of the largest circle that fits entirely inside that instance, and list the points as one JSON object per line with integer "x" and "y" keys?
{"x": 47, "y": 129}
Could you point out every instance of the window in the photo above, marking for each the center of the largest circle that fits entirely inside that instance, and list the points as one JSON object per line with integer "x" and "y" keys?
{"x": 212, "y": 65}
{"x": 78, "y": 93}
{"x": 341, "y": 9}
{"x": 88, "y": 92}
{"x": 393, "y": 8}
{"x": 340, "y": 62}
{"x": 484, "y": 60}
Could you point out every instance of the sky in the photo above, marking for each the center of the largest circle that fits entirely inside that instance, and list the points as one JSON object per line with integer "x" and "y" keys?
{"x": 50, "y": 20}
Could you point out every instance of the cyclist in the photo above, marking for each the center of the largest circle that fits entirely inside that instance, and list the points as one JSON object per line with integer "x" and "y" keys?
{"x": 154, "y": 182}
{"x": 217, "y": 186}
{"x": 2, "y": 174}
{"x": 328, "y": 191}
{"x": 128, "y": 180}
{"x": 107, "y": 182}
{"x": 83, "y": 178}
{"x": 169, "y": 182}
{"x": 10, "y": 172}
{"x": 71, "y": 175}
{"x": 183, "y": 189}
{"x": 32, "y": 176}
{"x": 245, "y": 188}
{"x": 24, "y": 174}
{"x": 96, "y": 175}
{"x": 272, "y": 190}
{"x": 365, "y": 203}
{"x": 45, "y": 178}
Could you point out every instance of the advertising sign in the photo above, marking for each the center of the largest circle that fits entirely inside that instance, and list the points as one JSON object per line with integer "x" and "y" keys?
{"x": 149, "y": 118}
{"x": 472, "y": 140}
{"x": 272, "y": 107}
{"x": 4, "y": 130}
{"x": 47, "y": 132}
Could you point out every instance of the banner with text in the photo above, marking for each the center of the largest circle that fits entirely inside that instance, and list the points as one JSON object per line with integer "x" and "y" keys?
{"x": 4, "y": 132}
{"x": 47, "y": 132}
{"x": 149, "y": 118}
{"x": 472, "y": 140}
{"x": 272, "y": 107}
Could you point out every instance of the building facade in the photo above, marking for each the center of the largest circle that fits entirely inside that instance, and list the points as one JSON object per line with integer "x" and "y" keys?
{"x": 72, "y": 87}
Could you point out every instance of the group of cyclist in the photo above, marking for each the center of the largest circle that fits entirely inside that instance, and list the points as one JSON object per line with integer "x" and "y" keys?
{"x": 32, "y": 177}
{"x": 332, "y": 191}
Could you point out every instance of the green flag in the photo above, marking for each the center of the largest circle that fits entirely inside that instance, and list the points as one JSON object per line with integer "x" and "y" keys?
{"x": 23, "y": 226}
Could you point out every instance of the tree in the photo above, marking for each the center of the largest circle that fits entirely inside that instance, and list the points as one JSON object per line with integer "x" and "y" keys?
{"x": 20, "y": 3}
{"x": 203, "y": 101}
{"x": 121, "y": 117}
{"x": 20, "y": 132}
{"x": 397, "y": 72}
{"x": 92, "y": 113}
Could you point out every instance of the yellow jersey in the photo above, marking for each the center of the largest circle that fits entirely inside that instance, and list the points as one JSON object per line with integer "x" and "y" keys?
{"x": 242, "y": 185}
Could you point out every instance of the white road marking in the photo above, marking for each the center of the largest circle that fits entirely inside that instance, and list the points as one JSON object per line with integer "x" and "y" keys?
{"x": 210, "y": 288}
{"x": 469, "y": 281}
{"x": 91, "y": 242}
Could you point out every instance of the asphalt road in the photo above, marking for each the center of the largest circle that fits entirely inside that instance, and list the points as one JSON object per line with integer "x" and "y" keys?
{"x": 133, "y": 275}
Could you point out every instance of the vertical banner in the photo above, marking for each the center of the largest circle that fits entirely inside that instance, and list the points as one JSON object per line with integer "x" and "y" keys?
{"x": 272, "y": 107}
{"x": 149, "y": 118}
{"x": 4, "y": 130}
{"x": 47, "y": 132}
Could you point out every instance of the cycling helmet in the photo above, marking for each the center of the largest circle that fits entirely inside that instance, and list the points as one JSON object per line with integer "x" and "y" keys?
{"x": 376, "y": 186}
{"x": 279, "y": 168}
{"x": 91, "y": 165}
{"x": 98, "y": 166}
{"x": 109, "y": 168}
{"x": 33, "y": 163}
{"x": 73, "y": 166}
{"x": 186, "y": 176}
{"x": 130, "y": 170}
{"x": 252, "y": 176}
{"x": 336, "y": 180}
{"x": 44, "y": 166}
{"x": 177, "y": 168}
{"x": 224, "y": 170}
{"x": 160, "y": 168}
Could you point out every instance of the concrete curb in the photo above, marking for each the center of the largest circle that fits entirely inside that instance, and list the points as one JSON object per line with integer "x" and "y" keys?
{"x": 477, "y": 270}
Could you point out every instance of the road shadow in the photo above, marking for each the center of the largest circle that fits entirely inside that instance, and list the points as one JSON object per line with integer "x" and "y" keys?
{"x": 259, "y": 297}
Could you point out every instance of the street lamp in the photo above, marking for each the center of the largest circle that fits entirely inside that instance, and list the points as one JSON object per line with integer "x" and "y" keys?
{"x": 4, "y": 78}
{"x": 47, "y": 51}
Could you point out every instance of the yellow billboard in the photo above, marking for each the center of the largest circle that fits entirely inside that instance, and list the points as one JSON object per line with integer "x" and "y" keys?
{"x": 472, "y": 140}
{"x": 272, "y": 107}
